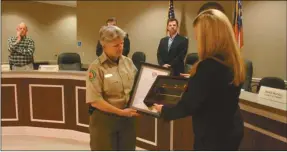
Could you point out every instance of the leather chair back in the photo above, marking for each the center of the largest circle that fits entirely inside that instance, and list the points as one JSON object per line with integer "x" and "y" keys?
{"x": 273, "y": 82}
{"x": 69, "y": 61}
{"x": 191, "y": 58}
{"x": 137, "y": 58}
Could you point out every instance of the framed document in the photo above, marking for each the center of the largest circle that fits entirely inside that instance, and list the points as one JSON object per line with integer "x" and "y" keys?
{"x": 167, "y": 91}
{"x": 144, "y": 80}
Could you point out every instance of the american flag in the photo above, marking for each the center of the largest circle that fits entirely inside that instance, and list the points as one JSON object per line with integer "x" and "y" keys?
{"x": 171, "y": 10}
{"x": 238, "y": 26}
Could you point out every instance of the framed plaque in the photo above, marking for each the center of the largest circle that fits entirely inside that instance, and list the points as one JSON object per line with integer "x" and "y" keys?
{"x": 167, "y": 91}
{"x": 144, "y": 80}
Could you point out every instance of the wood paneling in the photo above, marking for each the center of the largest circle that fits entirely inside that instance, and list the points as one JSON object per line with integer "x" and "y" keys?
{"x": 264, "y": 107}
{"x": 146, "y": 128}
{"x": 163, "y": 135}
{"x": 183, "y": 134}
{"x": 8, "y": 102}
{"x": 83, "y": 107}
{"x": 47, "y": 102}
{"x": 277, "y": 127}
{"x": 256, "y": 141}
{"x": 47, "y": 105}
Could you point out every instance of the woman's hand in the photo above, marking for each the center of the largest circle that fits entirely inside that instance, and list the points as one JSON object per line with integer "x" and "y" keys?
{"x": 128, "y": 112}
{"x": 157, "y": 107}
{"x": 166, "y": 65}
{"x": 185, "y": 75}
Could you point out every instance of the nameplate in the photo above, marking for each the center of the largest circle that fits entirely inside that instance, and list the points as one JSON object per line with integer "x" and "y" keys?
{"x": 272, "y": 94}
{"x": 5, "y": 67}
{"x": 53, "y": 68}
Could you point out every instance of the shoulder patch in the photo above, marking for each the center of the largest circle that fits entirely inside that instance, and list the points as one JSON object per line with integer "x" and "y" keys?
{"x": 92, "y": 75}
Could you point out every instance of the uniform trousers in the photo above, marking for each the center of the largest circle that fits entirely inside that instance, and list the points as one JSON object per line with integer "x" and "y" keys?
{"x": 112, "y": 132}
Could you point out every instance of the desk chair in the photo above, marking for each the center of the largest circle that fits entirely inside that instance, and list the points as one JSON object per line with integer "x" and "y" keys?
{"x": 191, "y": 58}
{"x": 137, "y": 58}
{"x": 69, "y": 61}
{"x": 273, "y": 82}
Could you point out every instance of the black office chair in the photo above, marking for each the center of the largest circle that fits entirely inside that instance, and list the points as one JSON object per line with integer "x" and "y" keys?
{"x": 248, "y": 76}
{"x": 191, "y": 58}
{"x": 69, "y": 61}
{"x": 137, "y": 58}
{"x": 272, "y": 82}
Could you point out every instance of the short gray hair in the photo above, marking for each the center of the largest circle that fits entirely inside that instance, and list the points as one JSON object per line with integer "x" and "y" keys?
{"x": 111, "y": 33}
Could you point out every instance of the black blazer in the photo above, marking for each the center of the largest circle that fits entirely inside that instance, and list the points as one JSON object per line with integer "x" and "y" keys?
{"x": 126, "y": 50}
{"x": 175, "y": 56}
{"x": 212, "y": 101}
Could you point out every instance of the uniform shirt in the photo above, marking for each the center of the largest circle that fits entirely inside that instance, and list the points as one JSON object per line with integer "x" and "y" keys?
{"x": 110, "y": 81}
{"x": 21, "y": 53}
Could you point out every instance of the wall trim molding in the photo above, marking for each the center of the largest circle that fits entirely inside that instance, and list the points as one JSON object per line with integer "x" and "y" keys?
{"x": 154, "y": 143}
{"x": 31, "y": 103}
{"x": 77, "y": 88}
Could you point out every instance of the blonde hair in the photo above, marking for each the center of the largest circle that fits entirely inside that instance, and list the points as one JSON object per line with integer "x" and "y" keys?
{"x": 111, "y": 33}
{"x": 215, "y": 36}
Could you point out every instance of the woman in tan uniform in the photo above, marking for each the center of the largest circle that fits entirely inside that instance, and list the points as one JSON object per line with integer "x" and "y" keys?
{"x": 108, "y": 87}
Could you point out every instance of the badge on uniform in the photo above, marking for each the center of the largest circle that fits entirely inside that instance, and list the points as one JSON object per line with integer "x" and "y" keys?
{"x": 108, "y": 75}
{"x": 92, "y": 75}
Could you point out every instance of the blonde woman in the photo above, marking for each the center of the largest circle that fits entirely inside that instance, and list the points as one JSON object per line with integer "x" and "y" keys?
{"x": 214, "y": 86}
{"x": 108, "y": 87}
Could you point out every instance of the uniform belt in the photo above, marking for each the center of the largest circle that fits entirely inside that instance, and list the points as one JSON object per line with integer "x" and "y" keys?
{"x": 92, "y": 109}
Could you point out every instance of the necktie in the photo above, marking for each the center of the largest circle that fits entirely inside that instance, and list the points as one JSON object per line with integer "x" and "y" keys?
{"x": 169, "y": 44}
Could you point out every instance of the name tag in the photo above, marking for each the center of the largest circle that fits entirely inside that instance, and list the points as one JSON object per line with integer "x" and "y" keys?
{"x": 54, "y": 68}
{"x": 272, "y": 94}
{"x": 108, "y": 75}
{"x": 5, "y": 67}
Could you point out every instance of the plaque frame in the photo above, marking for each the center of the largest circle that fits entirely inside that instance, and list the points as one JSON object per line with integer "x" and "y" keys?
{"x": 137, "y": 88}
{"x": 168, "y": 80}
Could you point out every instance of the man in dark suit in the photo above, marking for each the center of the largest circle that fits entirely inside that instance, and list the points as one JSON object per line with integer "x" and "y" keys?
{"x": 113, "y": 22}
{"x": 172, "y": 49}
